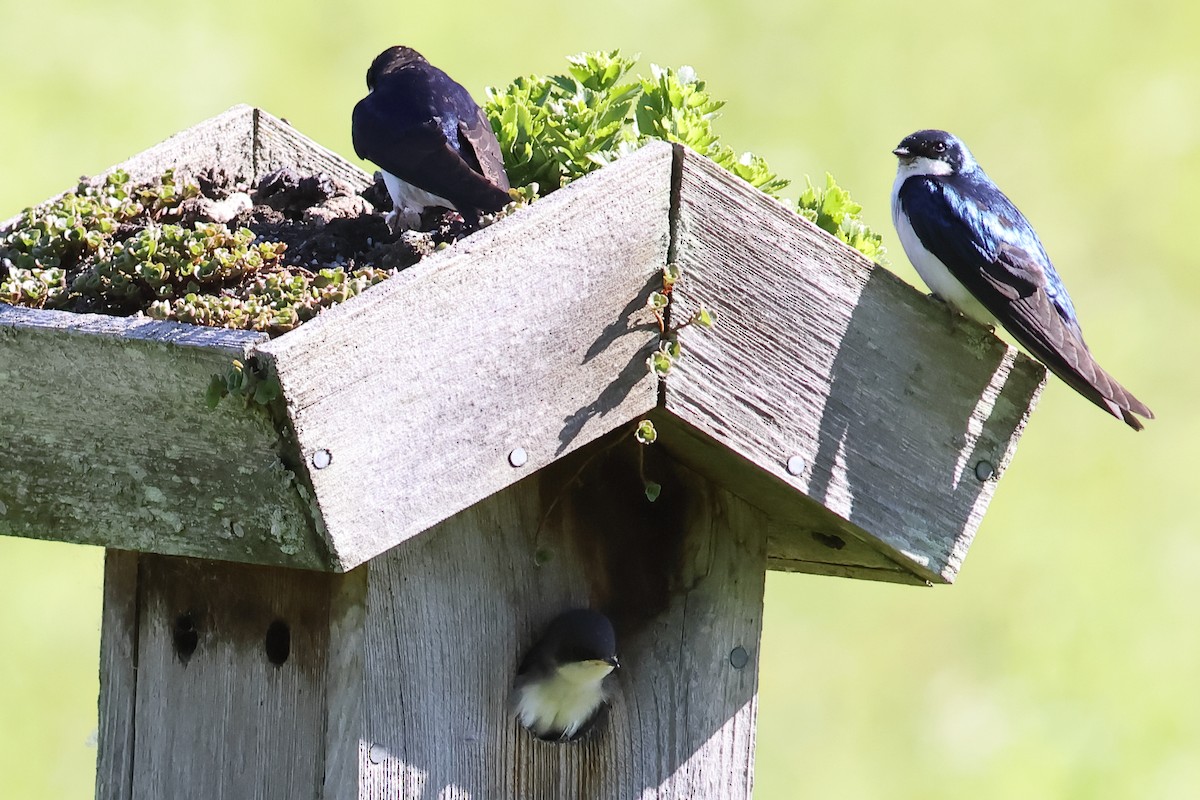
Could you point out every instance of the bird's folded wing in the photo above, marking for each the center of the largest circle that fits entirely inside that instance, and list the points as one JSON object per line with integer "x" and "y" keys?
{"x": 420, "y": 155}
{"x": 1005, "y": 268}
{"x": 478, "y": 139}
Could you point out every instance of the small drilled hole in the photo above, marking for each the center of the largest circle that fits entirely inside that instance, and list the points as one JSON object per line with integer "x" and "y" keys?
{"x": 279, "y": 642}
{"x": 829, "y": 540}
{"x": 185, "y": 636}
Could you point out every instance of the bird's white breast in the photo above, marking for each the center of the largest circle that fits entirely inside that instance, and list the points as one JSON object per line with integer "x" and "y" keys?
{"x": 931, "y": 269}
{"x": 405, "y": 195}
{"x": 565, "y": 700}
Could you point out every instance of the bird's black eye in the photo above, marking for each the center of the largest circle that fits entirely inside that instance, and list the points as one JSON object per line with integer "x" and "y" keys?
{"x": 939, "y": 147}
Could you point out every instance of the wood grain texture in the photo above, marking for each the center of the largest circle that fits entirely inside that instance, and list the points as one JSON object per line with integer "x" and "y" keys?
{"x": 889, "y": 399}
{"x": 118, "y": 677}
{"x": 344, "y": 685}
{"x": 225, "y": 721}
{"x": 277, "y": 144}
{"x": 451, "y": 613}
{"x": 529, "y": 334}
{"x": 802, "y": 535}
{"x": 108, "y": 440}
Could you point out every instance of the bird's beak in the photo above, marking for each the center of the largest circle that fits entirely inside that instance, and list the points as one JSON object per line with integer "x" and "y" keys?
{"x": 613, "y": 662}
{"x": 902, "y": 151}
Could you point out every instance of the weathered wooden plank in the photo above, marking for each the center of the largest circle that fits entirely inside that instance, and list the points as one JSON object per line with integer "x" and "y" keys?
{"x": 888, "y": 400}
{"x": 224, "y": 709}
{"x": 118, "y": 677}
{"x": 277, "y": 144}
{"x": 451, "y": 613}
{"x": 802, "y": 535}
{"x": 236, "y": 344}
{"x": 344, "y": 685}
{"x": 225, "y": 141}
{"x": 108, "y": 440}
{"x": 529, "y": 334}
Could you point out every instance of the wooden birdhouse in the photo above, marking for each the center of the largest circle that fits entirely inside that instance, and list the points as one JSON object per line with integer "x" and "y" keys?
{"x": 330, "y": 599}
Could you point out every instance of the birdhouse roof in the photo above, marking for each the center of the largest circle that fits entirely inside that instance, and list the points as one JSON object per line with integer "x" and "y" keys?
{"x": 865, "y": 419}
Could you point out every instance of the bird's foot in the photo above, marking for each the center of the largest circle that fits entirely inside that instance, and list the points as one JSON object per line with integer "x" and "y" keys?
{"x": 400, "y": 220}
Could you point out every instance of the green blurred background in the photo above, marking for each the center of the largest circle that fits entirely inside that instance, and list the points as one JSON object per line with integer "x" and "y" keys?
{"x": 1066, "y": 662}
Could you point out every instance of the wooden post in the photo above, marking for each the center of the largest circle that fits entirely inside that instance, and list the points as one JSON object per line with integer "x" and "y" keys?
{"x": 331, "y": 600}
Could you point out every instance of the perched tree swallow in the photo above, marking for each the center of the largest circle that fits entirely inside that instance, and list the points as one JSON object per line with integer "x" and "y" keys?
{"x": 433, "y": 143}
{"x": 560, "y": 687}
{"x": 979, "y": 254}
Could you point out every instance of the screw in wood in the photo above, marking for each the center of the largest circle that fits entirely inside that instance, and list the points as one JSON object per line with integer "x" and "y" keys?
{"x": 517, "y": 457}
{"x": 377, "y": 754}
{"x": 795, "y": 465}
{"x": 984, "y": 471}
{"x": 321, "y": 458}
{"x": 738, "y": 657}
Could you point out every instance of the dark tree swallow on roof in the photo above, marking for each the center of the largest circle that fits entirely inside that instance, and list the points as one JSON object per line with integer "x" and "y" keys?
{"x": 561, "y": 685}
{"x": 433, "y": 143}
{"x": 980, "y": 255}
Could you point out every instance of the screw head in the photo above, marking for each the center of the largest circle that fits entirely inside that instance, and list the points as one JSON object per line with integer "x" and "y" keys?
{"x": 795, "y": 465}
{"x": 517, "y": 457}
{"x": 321, "y": 458}
{"x": 738, "y": 657}
{"x": 984, "y": 471}
{"x": 377, "y": 754}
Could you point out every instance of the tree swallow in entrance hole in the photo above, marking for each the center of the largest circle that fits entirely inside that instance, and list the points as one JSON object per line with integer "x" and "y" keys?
{"x": 561, "y": 686}
{"x": 434, "y": 145}
{"x": 980, "y": 255}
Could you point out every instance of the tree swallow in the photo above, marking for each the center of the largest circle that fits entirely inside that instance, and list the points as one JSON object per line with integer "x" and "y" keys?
{"x": 433, "y": 143}
{"x": 980, "y": 255}
{"x": 561, "y": 686}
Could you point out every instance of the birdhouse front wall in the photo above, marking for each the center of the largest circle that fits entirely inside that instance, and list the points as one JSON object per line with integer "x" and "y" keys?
{"x": 395, "y": 678}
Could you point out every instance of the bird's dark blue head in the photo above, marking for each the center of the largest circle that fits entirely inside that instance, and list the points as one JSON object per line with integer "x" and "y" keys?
{"x": 391, "y": 60}
{"x": 581, "y": 635}
{"x": 934, "y": 152}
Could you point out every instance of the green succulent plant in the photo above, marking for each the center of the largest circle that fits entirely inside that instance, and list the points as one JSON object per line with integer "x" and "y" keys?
{"x": 275, "y": 301}
{"x": 67, "y": 254}
{"x": 554, "y": 129}
{"x": 51, "y": 246}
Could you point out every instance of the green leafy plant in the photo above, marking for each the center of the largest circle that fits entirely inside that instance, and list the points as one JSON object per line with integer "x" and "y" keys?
{"x": 255, "y": 384}
{"x": 645, "y": 434}
{"x": 833, "y": 210}
{"x": 555, "y": 129}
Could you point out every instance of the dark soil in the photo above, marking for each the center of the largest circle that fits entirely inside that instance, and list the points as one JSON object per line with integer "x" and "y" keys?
{"x": 325, "y": 222}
